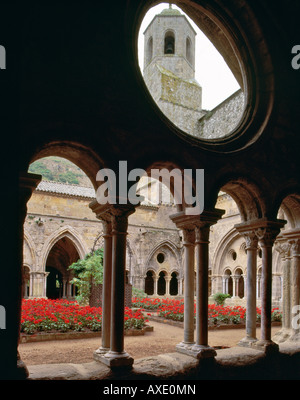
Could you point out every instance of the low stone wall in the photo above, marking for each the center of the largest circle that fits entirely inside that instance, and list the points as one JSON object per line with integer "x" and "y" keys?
{"x": 42, "y": 337}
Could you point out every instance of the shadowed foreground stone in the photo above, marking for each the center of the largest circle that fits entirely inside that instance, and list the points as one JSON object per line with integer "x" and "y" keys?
{"x": 232, "y": 363}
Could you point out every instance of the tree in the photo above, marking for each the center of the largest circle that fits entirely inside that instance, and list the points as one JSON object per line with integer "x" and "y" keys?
{"x": 87, "y": 272}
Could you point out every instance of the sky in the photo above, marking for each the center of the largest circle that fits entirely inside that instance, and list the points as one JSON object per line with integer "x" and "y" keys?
{"x": 211, "y": 71}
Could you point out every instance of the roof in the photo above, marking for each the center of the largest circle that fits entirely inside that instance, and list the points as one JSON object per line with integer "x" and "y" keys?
{"x": 66, "y": 189}
{"x": 75, "y": 191}
{"x": 170, "y": 11}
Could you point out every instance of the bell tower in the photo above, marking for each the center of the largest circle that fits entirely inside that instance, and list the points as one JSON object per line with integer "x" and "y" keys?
{"x": 169, "y": 41}
{"x": 169, "y": 68}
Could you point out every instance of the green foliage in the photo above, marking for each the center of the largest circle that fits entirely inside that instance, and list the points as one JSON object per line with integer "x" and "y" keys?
{"x": 57, "y": 169}
{"x": 87, "y": 272}
{"x": 138, "y": 293}
{"x": 220, "y": 298}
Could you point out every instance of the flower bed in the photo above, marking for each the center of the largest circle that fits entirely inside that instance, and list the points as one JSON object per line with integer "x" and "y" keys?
{"x": 174, "y": 310}
{"x": 44, "y": 315}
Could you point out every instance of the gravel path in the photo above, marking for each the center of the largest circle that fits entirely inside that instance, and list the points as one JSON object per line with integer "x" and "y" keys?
{"x": 163, "y": 339}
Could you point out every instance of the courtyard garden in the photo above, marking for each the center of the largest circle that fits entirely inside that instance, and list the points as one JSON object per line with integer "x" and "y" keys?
{"x": 45, "y": 315}
{"x": 217, "y": 314}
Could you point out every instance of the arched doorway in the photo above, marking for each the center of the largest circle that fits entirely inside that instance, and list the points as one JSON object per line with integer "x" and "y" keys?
{"x": 54, "y": 286}
{"x": 62, "y": 254}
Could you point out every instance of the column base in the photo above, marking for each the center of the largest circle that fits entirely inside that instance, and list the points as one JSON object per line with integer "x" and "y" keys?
{"x": 114, "y": 359}
{"x": 196, "y": 350}
{"x": 102, "y": 350}
{"x": 247, "y": 341}
{"x": 267, "y": 346}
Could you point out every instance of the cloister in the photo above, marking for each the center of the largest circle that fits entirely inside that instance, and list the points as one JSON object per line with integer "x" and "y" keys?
{"x": 74, "y": 89}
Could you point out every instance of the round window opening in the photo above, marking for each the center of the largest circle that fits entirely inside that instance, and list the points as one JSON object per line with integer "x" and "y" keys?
{"x": 160, "y": 258}
{"x": 187, "y": 77}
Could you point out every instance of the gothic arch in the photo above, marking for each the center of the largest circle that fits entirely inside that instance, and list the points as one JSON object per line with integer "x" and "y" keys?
{"x": 28, "y": 241}
{"x": 221, "y": 252}
{"x": 85, "y": 158}
{"x": 68, "y": 232}
{"x": 171, "y": 247}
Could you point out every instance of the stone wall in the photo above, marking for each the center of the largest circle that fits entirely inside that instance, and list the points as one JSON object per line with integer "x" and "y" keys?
{"x": 222, "y": 120}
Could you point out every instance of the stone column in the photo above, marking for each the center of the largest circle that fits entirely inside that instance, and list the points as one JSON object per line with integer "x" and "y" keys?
{"x": 31, "y": 284}
{"x": 106, "y": 287}
{"x": 295, "y": 286}
{"x": 201, "y": 348}
{"x": 267, "y": 234}
{"x": 155, "y": 280}
{"x": 22, "y": 187}
{"x": 201, "y": 345}
{"x": 201, "y": 224}
{"x": 116, "y": 356}
{"x": 168, "y": 280}
{"x": 189, "y": 262}
{"x": 251, "y": 248}
{"x": 283, "y": 247}
{"x": 64, "y": 287}
{"x": 224, "y": 284}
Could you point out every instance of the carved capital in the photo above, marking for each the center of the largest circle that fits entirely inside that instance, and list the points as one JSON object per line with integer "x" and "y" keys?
{"x": 119, "y": 219}
{"x": 283, "y": 248}
{"x": 266, "y": 236}
{"x": 188, "y": 237}
{"x": 295, "y": 247}
{"x": 202, "y": 234}
{"x": 251, "y": 240}
{"x": 107, "y": 227}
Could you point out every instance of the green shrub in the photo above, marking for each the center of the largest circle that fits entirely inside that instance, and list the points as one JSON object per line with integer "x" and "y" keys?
{"x": 220, "y": 298}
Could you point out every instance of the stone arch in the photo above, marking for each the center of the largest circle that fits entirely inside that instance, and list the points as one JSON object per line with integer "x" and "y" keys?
{"x": 223, "y": 249}
{"x": 290, "y": 206}
{"x": 174, "y": 288}
{"x": 244, "y": 59}
{"x": 161, "y": 282}
{"x": 26, "y": 280}
{"x": 247, "y": 196}
{"x": 131, "y": 261}
{"x": 170, "y": 246}
{"x": 240, "y": 283}
{"x": 68, "y": 232}
{"x": 29, "y": 256}
{"x": 149, "y": 282}
{"x": 85, "y": 158}
{"x": 228, "y": 281}
{"x": 173, "y": 180}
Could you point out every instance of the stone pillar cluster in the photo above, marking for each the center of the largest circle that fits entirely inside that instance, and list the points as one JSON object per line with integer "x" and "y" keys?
{"x": 264, "y": 232}
{"x": 196, "y": 230}
{"x": 288, "y": 246}
{"x": 115, "y": 224}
